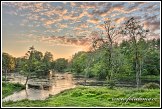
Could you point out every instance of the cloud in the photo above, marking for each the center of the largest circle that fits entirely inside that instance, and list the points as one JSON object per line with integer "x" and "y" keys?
{"x": 79, "y": 18}
{"x": 88, "y": 5}
{"x": 83, "y": 25}
{"x": 151, "y": 6}
{"x": 93, "y": 20}
{"x": 151, "y": 18}
{"x": 153, "y": 36}
{"x": 65, "y": 40}
{"x": 103, "y": 11}
{"x": 118, "y": 7}
{"x": 119, "y": 20}
{"x": 153, "y": 26}
{"x": 51, "y": 21}
{"x": 101, "y": 26}
{"x": 132, "y": 7}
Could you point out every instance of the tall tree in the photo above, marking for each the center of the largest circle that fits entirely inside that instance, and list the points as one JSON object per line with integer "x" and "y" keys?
{"x": 135, "y": 31}
{"x": 29, "y": 64}
{"x": 111, "y": 31}
{"x": 32, "y": 62}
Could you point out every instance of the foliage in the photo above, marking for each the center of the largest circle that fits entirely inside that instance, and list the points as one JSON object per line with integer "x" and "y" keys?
{"x": 8, "y": 62}
{"x": 135, "y": 31}
{"x": 60, "y": 64}
{"x": 78, "y": 62}
{"x": 93, "y": 64}
{"x": 107, "y": 42}
{"x": 34, "y": 63}
{"x": 48, "y": 58}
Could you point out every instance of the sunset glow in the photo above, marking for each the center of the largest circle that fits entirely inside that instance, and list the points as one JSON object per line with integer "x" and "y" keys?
{"x": 64, "y": 28}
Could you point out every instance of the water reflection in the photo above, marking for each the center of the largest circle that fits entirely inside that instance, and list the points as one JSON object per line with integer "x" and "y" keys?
{"x": 60, "y": 83}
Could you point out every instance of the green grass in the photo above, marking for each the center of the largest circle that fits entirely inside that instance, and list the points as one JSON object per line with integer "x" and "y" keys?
{"x": 95, "y": 97}
{"x": 10, "y": 88}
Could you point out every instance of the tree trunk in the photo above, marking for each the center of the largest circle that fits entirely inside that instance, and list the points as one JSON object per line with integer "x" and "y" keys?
{"x": 137, "y": 71}
{"x": 110, "y": 60}
{"x": 26, "y": 80}
{"x": 140, "y": 72}
{"x": 137, "y": 76}
{"x": 137, "y": 63}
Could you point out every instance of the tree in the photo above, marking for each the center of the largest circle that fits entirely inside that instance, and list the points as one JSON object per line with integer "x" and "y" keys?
{"x": 48, "y": 56}
{"x": 61, "y": 64}
{"x": 111, "y": 31}
{"x": 38, "y": 55}
{"x": 31, "y": 64}
{"x": 78, "y": 62}
{"x": 151, "y": 64}
{"x": 28, "y": 66}
{"x": 19, "y": 62}
{"x": 8, "y": 63}
{"x": 135, "y": 31}
{"x": 47, "y": 59}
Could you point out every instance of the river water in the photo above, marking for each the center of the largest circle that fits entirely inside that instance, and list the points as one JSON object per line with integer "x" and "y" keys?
{"x": 61, "y": 82}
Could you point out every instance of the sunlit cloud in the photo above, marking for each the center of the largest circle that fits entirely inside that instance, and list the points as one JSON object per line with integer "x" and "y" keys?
{"x": 71, "y": 23}
{"x": 119, "y": 20}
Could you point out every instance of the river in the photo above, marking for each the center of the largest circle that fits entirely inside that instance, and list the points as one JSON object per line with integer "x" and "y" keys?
{"x": 61, "y": 82}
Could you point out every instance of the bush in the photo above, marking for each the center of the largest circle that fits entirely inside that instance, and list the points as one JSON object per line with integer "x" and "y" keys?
{"x": 151, "y": 86}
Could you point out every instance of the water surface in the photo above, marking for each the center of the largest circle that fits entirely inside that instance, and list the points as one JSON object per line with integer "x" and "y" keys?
{"x": 60, "y": 83}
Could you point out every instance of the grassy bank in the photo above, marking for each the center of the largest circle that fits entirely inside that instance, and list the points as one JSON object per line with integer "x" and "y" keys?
{"x": 96, "y": 96}
{"x": 10, "y": 88}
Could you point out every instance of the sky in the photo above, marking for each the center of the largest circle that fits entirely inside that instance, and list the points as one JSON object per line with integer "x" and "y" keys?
{"x": 64, "y": 28}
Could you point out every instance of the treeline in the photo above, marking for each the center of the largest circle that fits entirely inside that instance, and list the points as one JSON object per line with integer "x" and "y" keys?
{"x": 94, "y": 64}
{"x": 33, "y": 63}
{"x": 91, "y": 64}
{"x": 133, "y": 59}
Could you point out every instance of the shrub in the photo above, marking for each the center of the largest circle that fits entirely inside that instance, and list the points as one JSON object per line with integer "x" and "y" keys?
{"x": 151, "y": 86}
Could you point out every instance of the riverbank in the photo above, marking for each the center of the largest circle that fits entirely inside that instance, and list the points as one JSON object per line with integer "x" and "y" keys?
{"x": 10, "y": 88}
{"x": 95, "y": 97}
